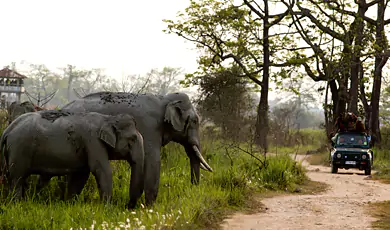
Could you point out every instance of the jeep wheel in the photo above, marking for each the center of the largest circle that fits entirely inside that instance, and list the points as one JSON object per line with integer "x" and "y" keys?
{"x": 367, "y": 171}
{"x": 334, "y": 169}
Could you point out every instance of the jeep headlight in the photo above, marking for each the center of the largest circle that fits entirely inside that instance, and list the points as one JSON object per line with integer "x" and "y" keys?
{"x": 338, "y": 155}
{"x": 364, "y": 156}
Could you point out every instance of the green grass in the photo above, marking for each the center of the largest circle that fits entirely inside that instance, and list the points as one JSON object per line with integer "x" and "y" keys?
{"x": 381, "y": 165}
{"x": 303, "y": 141}
{"x": 321, "y": 158}
{"x": 234, "y": 185}
{"x": 380, "y": 211}
{"x": 296, "y": 149}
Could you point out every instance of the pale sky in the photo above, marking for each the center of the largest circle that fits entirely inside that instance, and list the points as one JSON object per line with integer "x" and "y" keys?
{"x": 119, "y": 36}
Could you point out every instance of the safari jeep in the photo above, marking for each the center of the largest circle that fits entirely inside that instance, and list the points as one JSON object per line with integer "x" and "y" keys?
{"x": 351, "y": 150}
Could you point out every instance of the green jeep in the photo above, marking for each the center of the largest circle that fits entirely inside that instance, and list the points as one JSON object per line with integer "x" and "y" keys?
{"x": 351, "y": 150}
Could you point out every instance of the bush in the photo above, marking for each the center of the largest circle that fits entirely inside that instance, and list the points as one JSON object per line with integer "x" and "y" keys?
{"x": 303, "y": 141}
{"x": 179, "y": 203}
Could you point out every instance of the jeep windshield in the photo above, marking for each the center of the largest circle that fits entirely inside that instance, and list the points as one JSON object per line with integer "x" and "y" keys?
{"x": 352, "y": 140}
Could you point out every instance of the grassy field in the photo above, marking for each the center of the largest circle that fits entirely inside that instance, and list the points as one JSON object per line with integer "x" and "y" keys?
{"x": 234, "y": 185}
{"x": 306, "y": 141}
{"x": 381, "y": 211}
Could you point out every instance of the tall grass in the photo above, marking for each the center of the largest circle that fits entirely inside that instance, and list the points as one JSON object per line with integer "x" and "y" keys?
{"x": 301, "y": 141}
{"x": 179, "y": 204}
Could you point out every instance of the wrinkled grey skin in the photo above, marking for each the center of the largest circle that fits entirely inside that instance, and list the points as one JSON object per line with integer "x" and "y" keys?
{"x": 16, "y": 109}
{"x": 160, "y": 119}
{"x": 54, "y": 143}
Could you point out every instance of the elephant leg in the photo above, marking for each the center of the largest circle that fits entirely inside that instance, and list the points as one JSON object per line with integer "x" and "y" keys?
{"x": 103, "y": 177}
{"x": 43, "y": 180}
{"x": 17, "y": 186}
{"x": 136, "y": 183}
{"x": 62, "y": 182}
{"x": 18, "y": 175}
{"x": 76, "y": 183}
{"x": 18, "y": 181}
{"x": 100, "y": 167}
{"x": 151, "y": 173}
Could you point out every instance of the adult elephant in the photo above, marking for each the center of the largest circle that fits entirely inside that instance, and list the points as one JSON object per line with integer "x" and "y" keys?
{"x": 160, "y": 120}
{"x": 16, "y": 109}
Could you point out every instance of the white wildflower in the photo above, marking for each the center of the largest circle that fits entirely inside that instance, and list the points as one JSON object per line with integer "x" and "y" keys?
{"x": 142, "y": 206}
{"x": 128, "y": 220}
{"x": 179, "y": 212}
{"x": 150, "y": 210}
{"x": 133, "y": 213}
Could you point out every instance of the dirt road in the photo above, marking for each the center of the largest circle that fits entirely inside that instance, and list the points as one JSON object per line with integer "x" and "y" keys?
{"x": 340, "y": 207}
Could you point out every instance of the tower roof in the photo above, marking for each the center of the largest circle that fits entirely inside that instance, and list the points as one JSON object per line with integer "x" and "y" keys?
{"x": 7, "y": 72}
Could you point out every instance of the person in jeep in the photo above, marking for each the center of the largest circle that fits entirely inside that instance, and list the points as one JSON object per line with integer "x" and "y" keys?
{"x": 351, "y": 145}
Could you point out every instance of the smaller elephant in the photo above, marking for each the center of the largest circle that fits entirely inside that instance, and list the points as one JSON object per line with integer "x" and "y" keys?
{"x": 54, "y": 143}
{"x": 16, "y": 109}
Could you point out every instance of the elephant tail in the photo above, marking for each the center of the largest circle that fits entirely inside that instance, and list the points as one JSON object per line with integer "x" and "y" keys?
{"x": 4, "y": 173}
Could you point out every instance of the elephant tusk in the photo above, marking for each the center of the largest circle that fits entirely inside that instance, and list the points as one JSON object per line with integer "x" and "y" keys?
{"x": 202, "y": 160}
{"x": 203, "y": 167}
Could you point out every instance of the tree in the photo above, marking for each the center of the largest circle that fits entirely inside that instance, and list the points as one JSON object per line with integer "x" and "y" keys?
{"x": 41, "y": 86}
{"x": 164, "y": 81}
{"x": 343, "y": 24}
{"x": 225, "y": 31}
{"x": 382, "y": 54}
{"x": 155, "y": 81}
{"x": 224, "y": 100}
{"x": 73, "y": 74}
{"x": 385, "y": 106}
{"x": 88, "y": 81}
{"x": 129, "y": 84}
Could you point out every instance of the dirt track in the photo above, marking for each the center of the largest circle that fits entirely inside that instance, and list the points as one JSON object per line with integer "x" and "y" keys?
{"x": 341, "y": 207}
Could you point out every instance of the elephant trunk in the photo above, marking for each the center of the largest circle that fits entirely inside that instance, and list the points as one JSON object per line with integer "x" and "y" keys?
{"x": 137, "y": 172}
{"x": 197, "y": 161}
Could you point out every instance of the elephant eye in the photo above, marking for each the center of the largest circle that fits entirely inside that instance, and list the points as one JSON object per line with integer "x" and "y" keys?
{"x": 132, "y": 138}
{"x": 196, "y": 121}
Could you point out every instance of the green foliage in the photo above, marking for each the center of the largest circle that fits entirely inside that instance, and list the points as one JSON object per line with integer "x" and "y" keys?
{"x": 163, "y": 81}
{"x": 304, "y": 141}
{"x": 179, "y": 204}
{"x": 224, "y": 100}
{"x": 385, "y": 106}
{"x": 223, "y": 30}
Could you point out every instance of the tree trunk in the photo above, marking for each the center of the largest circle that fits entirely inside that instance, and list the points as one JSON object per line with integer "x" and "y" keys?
{"x": 380, "y": 61}
{"x": 328, "y": 124}
{"x": 70, "y": 79}
{"x": 363, "y": 98}
{"x": 335, "y": 99}
{"x": 262, "y": 126}
{"x": 355, "y": 68}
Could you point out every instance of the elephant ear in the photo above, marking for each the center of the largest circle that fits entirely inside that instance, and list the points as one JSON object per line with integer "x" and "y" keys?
{"x": 107, "y": 135}
{"x": 174, "y": 115}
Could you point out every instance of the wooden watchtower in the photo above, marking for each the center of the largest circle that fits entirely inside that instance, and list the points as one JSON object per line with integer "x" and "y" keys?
{"x": 11, "y": 86}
